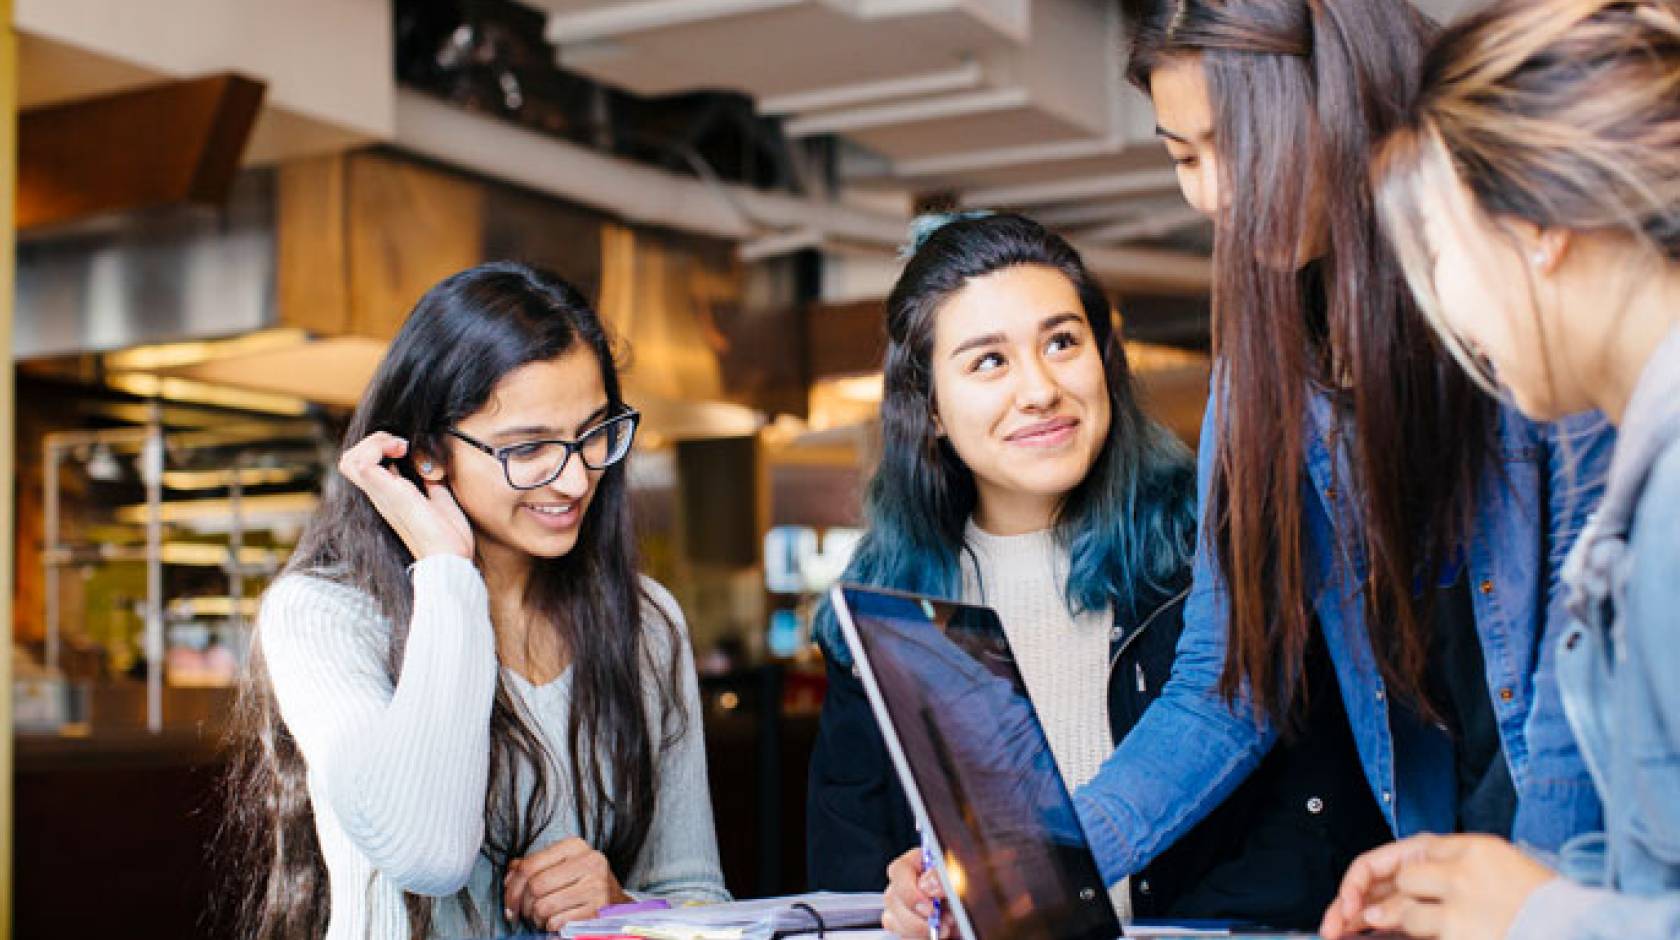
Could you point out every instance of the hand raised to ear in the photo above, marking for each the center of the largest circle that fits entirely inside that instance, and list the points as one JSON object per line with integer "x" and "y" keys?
{"x": 429, "y": 523}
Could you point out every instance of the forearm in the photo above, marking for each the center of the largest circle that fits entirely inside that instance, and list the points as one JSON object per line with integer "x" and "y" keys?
{"x": 408, "y": 781}
{"x": 1564, "y": 910}
{"x": 1178, "y": 764}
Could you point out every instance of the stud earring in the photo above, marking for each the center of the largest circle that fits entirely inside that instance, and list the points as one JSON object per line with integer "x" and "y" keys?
{"x": 1539, "y": 258}
{"x": 425, "y": 466}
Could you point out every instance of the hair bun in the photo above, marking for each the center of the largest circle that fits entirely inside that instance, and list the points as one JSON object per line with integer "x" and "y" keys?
{"x": 923, "y": 226}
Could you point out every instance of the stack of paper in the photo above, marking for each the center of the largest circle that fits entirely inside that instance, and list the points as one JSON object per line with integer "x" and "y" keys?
{"x": 740, "y": 920}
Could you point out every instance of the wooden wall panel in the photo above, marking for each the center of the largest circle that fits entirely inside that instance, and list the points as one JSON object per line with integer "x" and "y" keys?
{"x": 409, "y": 227}
{"x": 846, "y": 339}
{"x": 311, "y": 245}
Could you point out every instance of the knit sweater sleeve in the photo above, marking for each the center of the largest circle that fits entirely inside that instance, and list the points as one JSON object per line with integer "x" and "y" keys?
{"x": 403, "y": 767}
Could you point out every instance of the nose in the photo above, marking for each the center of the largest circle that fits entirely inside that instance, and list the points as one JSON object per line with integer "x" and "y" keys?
{"x": 1037, "y": 389}
{"x": 573, "y": 481}
{"x": 1200, "y": 186}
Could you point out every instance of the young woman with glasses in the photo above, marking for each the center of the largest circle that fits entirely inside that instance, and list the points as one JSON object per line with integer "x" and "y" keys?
{"x": 466, "y": 714}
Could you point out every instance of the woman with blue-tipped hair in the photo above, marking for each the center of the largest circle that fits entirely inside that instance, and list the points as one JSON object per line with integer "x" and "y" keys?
{"x": 1018, "y": 470}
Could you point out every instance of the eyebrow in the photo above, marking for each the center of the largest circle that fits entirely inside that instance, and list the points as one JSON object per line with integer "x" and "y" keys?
{"x": 543, "y": 430}
{"x": 1170, "y": 135}
{"x": 992, "y": 339}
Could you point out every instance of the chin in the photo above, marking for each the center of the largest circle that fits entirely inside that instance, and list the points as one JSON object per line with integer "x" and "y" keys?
{"x": 1055, "y": 486}
{"x": 1540, "y": 406}
{"x": 552, "y": 547}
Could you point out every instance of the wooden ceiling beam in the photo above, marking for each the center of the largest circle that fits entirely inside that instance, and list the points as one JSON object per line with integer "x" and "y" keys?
{"x": 169, "y": 143}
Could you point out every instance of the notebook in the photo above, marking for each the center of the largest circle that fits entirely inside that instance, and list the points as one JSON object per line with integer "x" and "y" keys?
{"x": 761, "y": 919}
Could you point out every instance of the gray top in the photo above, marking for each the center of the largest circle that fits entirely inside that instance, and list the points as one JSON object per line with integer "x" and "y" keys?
{"x": 397, "y": 773}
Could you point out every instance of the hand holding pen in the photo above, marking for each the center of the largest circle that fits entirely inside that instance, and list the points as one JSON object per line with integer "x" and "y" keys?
{"x": 928, "y": 874}
{"x": 912, "y": 897}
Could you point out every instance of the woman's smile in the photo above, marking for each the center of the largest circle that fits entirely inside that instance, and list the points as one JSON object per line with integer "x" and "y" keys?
{"x": 556, "y": 516}
{"x": 1052, "y": 433}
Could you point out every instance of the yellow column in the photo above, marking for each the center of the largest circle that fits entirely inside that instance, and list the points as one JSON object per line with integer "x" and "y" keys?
{"x": 8, "y": 441}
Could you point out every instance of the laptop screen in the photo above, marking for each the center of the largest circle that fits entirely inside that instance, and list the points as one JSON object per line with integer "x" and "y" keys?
{"x": 1013, "y": 850}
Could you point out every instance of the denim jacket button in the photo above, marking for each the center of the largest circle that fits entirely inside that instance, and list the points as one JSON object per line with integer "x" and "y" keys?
{"x": 1388, "y": 796}
{"x": 1381, "y": 695}
{"x": 1315, "y": 806}
{"x": 1505, "y": 694}
{"x": 1487, "y": 585}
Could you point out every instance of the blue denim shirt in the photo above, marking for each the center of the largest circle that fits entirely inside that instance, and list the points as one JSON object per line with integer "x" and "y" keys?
{"x": 1190, "y": 750}
{"x": 1619, "y": 672}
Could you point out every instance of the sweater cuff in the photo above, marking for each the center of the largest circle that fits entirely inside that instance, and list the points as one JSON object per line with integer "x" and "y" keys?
{"x": 450, "y": 583}
{"x": 445, "y": 566}
{"x": 1554, "y": 910}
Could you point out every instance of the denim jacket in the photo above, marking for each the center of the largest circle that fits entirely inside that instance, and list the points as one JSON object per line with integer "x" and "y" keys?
{"x": 1191, "y": 750}
{"x": 1619, "y": 672}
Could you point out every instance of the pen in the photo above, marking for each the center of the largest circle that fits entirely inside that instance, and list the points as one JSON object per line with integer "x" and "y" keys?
{"x": 933, "y": 914}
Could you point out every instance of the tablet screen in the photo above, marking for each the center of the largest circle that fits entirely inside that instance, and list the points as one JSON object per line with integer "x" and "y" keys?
{"x": 1013, "y": 849}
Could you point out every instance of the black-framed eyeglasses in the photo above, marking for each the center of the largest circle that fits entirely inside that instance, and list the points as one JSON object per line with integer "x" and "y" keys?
{"x": 532, "y": 464}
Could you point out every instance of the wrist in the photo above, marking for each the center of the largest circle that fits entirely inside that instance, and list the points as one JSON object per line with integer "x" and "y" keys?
{"x": 435, "y": 559}
{"x": 424, "y": 552}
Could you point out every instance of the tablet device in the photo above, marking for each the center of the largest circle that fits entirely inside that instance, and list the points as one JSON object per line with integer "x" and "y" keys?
{"x": 976, "y": 767}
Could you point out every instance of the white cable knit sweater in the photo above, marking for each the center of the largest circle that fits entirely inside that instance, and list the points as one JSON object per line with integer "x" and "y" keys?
{"x": 1062, "y": 656}
{"x": 397, "y": 775}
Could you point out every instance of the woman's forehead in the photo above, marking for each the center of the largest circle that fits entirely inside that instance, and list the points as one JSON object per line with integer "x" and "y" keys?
{"x": 558, "y": 393}
{"x": 1010, "y": 300}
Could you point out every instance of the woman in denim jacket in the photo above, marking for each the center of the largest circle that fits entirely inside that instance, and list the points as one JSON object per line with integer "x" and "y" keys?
{"x": 1535, "y": 200}
{"x": 1357, "y": 489}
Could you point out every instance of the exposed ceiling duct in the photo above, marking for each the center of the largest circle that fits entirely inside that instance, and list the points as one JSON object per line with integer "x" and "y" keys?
{"x": 650, "y": 196}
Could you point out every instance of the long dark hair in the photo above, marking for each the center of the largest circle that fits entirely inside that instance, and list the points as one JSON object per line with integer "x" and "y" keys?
{"x": 1129, "y": 526}
{"x": 462, "y": 337}
{"x": 1301, "y": 91}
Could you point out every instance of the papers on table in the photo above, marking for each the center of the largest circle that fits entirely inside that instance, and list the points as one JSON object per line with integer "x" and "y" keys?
{"x": 739, "y": 920}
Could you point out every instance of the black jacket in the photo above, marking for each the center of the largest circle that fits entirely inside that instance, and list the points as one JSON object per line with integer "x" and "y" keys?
{"x": 1272, "y": 854}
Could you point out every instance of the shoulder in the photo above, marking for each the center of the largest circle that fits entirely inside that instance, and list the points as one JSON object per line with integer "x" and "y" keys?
{"x": 303, "y": 596}
{"x": 662, "y": 618}
{"x": 658, "y": 601}
{"x": 305, "y": 611}
{"x": 1652, "y": 592}
{"x": 1656, "y": 526}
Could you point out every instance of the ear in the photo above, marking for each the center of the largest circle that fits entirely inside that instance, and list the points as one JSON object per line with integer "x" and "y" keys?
{"x": 938, "y": 425}
{"x": 429, "y": 467}
{"x": 1551, "y": 247}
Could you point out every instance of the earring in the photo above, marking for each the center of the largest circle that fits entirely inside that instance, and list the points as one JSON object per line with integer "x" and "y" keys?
{"x": 425, "y": 466}
{"x": 1540, "y": 258}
